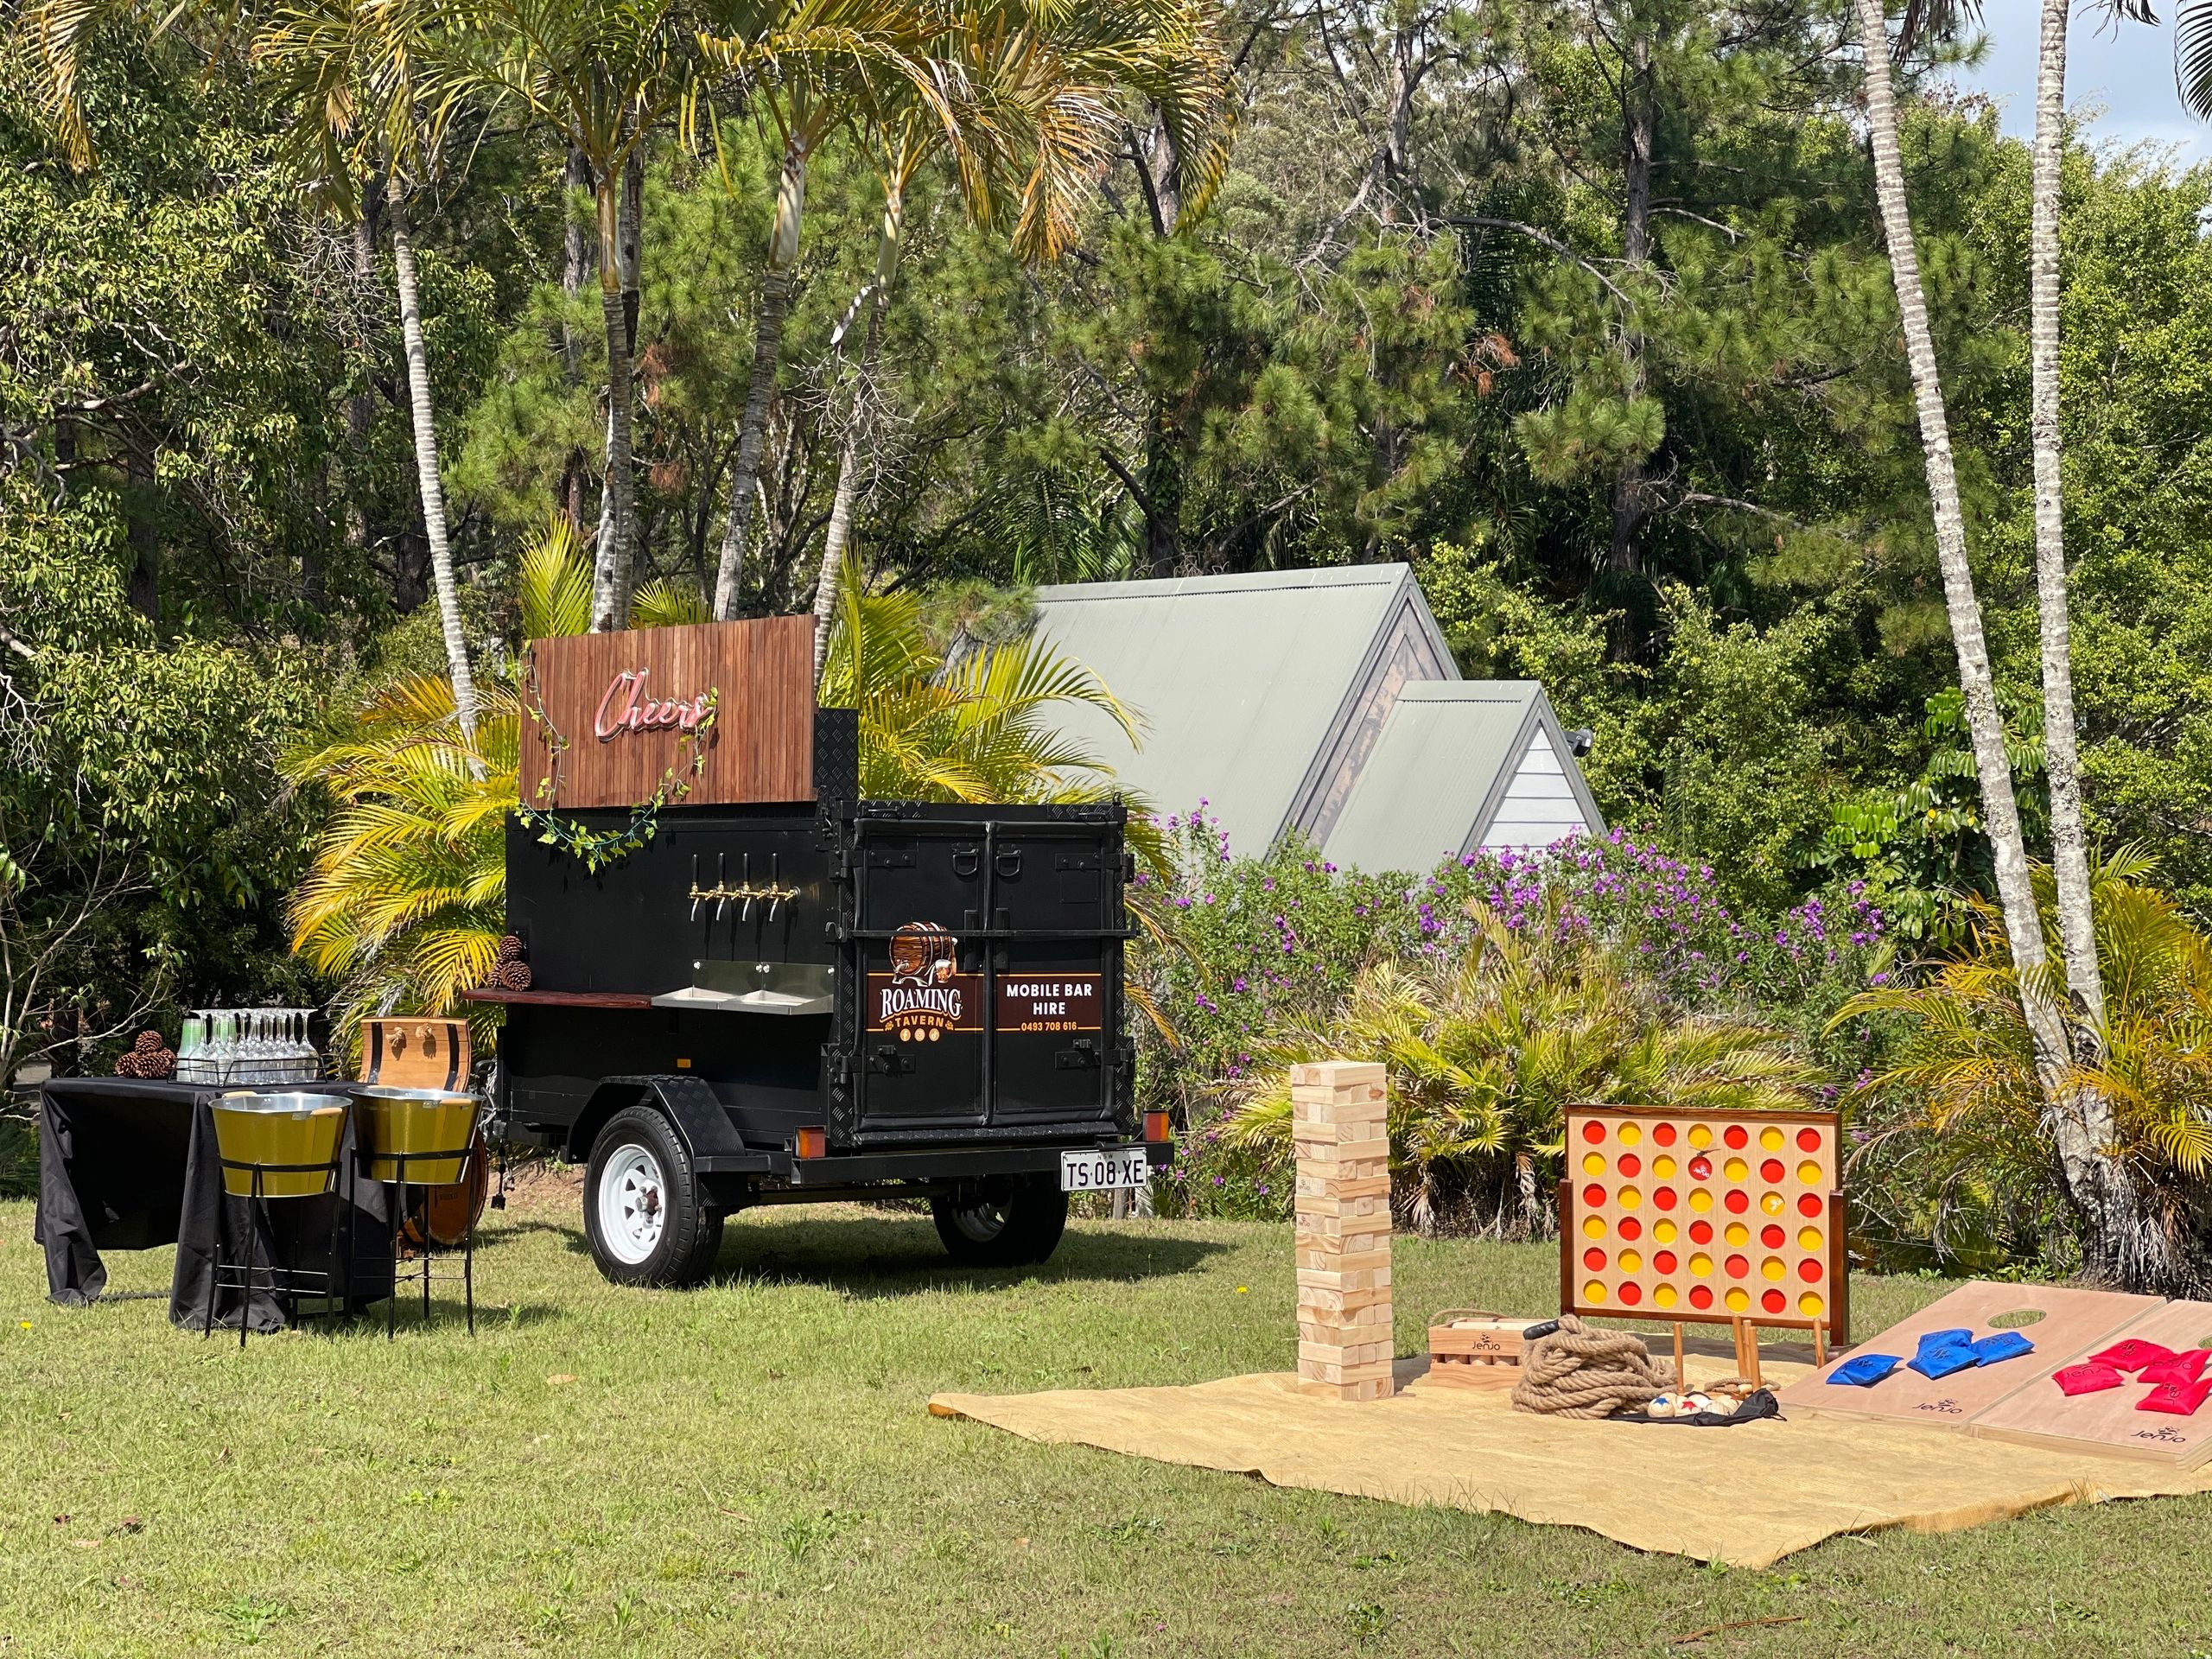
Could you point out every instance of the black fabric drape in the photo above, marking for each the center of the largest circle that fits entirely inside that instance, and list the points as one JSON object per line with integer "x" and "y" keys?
{"x": 113, "y": 1153}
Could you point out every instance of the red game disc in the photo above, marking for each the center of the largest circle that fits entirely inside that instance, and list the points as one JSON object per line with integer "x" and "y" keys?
{"x": 1592, "y": 1197}
{"x": 1810, "y": 1206}
{"x": 1809, "y": 1270}
{"x": 1736, "y": 1267}
{"x": 1631, "y": 1293}
{"x": 1774, "y": 1301}
{"x": 1700, "y": 1296}
{"x": 1808, "y": 1140}
{"x": 1630, "y": 1228}
{"x": 1664, "y": 1135}
{"x": 1737, "y": 1201}
{"x": 1737, "y": 1137}
{"x": 1771, "y": 1172}
{"x": 1701, "y": 1232}
{"x": 1593, "y": 1132}
{"x": 1664, "y": 1262}
{"x": 1632, "y": 1165}
{"x": 1701, "y": 1168}
{"x": 1594, "y": 1259}
{"x": 1664, "y": 1198}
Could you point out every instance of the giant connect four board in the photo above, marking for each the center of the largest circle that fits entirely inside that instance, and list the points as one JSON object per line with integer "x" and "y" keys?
{"x": 1712, "y": 1217}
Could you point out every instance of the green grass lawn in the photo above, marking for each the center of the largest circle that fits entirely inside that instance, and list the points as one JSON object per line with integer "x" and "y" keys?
{"x": 749, "y": 1469}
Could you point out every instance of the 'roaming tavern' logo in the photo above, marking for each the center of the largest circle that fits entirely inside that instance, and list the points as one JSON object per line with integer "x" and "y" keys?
{"x": 924, "y": 995}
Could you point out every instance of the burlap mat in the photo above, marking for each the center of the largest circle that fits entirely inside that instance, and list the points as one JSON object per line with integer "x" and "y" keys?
{"x": 1747, "y": 1495}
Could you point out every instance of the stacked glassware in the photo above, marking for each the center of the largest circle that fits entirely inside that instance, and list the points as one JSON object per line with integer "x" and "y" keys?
{"x": 255, "y": 1046}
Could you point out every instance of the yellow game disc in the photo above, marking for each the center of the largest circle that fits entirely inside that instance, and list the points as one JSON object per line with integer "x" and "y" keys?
{"x": 1700, "y": 1137}
{"x": 1663, "y": 1231}
{"x": 1738, "y": 1299}
{"x": 1809, "y": 1240}
{"x": 1631, "y": 1261}
{"x": 1663, "y": 1167}
{"x": 1628, "y": 1198}
{"x": 1738, "y": 1233}
{"x": 1772, "y": 1267}
{"x": 1593, "y": 1163}
{"x": 1736, "y": 1169}
{"x": 1701, "y": 1200}
{"x": 1701, "y": 1265}
{"x": 1770, "y": 1138}
{"x": 1592, "y": 1227}
{"x": 1664, "y": 1296}
{"x": 1629, "y": 1135}
{"x": 1594, "y": 1292}
{"x": 1771, "y": 1203}
{"x": 1809, "y": 1306}
{"x": 1809, "y": 1172}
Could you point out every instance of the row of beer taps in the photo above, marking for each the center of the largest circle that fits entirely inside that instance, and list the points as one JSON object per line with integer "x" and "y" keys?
{"x": 721, "y": 895}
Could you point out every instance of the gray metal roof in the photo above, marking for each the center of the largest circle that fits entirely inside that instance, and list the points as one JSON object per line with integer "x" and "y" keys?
{"x": 1262, "y": 693}
{"x": 1441, "y": 770}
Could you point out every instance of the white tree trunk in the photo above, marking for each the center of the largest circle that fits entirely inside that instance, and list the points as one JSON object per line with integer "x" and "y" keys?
{"x": 857, "y": 427}
{"x": 2082, "y": 1163}
{"x": 767, "y": 353}
{"x": 610, "y": 586}
{"x": 426, "y": 469}
{"x": 2069, "y": 854}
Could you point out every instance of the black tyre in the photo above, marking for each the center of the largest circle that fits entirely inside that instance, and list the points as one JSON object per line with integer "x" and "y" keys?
{"x": 647, "y": 1220}
{"x": 1013, "y": 1226}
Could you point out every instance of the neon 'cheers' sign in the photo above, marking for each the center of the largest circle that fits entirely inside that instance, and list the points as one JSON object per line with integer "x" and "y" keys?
{"x": 628, "y": 707}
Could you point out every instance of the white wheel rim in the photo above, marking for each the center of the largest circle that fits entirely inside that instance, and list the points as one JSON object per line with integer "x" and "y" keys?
{"x": 633, "y": 1205}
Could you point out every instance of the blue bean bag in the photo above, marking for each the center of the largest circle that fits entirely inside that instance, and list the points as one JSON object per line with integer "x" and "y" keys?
{"x": 1863, "y": 1370}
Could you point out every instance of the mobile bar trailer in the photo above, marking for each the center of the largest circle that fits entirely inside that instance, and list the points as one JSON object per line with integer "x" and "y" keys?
{"x": 785, "y": 994}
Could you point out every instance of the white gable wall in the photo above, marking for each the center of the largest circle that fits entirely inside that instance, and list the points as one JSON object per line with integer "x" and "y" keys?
{"x": 1540, "y": 807}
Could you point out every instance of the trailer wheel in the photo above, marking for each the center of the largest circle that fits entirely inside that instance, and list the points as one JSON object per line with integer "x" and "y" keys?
{"x": 1012, "y": 1227}
{"x": 647, "y": 1220}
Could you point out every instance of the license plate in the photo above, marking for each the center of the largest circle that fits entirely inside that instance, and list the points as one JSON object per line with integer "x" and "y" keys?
{"x": 1105, "y": 1171}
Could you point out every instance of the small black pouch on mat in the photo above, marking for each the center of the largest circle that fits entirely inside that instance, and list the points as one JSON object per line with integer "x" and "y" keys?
{"x": 1762, "y": 1403}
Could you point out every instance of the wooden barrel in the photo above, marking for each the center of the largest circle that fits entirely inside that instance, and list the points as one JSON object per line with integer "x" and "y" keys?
{"x": 445, "y": 1214}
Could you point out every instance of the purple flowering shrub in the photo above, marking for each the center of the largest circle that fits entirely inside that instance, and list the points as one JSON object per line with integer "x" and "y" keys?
{"x": 1263, "y": 945}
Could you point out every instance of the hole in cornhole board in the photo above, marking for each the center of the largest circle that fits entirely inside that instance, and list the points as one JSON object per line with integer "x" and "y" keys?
{"x": 2018, "y": 1318}
{"x": 2071, "y": 1322}
{"x": 2108, "y": 1422}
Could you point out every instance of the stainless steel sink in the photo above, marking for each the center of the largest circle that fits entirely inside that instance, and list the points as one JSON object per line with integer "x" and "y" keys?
{"x": 778, "y": 987}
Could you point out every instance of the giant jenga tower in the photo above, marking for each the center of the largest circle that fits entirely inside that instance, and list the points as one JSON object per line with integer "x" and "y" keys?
{"x": 1340, "y": 1128}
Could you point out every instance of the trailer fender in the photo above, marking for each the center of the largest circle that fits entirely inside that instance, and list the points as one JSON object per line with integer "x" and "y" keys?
{"x": 689, "y": 1104}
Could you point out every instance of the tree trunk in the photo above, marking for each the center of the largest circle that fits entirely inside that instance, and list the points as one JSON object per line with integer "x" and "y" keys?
{"x": 857, "y": 426}
{"x": 426, "y": 469}
{"x": 2069, "y": 854}
{"x": 579, "y": 254}
{"x": 1624, "y": 553}
{"x": 360, "y": 407}
{"x": 145, "y": 588}
{"x": 767, "y": 353}
{"x": 611, "y": 575}
{"x": 2082, "y": 1163}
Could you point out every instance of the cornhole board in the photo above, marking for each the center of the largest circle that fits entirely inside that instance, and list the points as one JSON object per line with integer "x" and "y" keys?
{"x": 2073, "y": 1322}
{"x": 2108, "y": 1421}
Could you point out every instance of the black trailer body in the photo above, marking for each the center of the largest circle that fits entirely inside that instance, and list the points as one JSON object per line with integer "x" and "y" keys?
{"x": 771, "y": 1004}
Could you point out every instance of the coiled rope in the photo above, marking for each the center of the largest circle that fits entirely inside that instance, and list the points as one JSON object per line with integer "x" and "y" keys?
{"x": 1578, "y": 1372}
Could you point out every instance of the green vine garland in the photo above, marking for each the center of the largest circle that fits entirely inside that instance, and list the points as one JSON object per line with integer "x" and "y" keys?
{"x": 599, "y": 848}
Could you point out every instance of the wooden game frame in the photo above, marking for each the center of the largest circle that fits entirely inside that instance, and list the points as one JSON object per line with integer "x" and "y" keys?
{"x": 1833, "y": 1322}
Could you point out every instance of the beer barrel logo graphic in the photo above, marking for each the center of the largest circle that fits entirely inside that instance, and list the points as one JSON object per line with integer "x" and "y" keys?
{"x": 922, "y": 953}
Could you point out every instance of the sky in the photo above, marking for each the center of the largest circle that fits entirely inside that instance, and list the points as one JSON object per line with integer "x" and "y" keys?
{"x": 2129, "y": 72}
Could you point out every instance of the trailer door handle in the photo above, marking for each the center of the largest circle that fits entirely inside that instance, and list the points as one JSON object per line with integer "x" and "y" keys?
{"x": 1009, "y": 864}
{"x": 966, "y": 860}
{"x": 1083, "y": 1056}
{"x": 888, "y": 1060}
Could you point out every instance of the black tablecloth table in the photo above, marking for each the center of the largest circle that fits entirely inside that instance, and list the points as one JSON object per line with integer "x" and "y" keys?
{"x": 145, "y": 1153}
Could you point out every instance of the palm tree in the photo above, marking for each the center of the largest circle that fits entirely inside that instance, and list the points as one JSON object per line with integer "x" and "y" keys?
{"x": 1041, "y": 98}
{"x": 1486, "y": 1049}
{"x": 1969, "y": 1068}
{"x": 2080, "y": 1122}
{"x": 604, "y": 74}
{"x": 826, "y": 65}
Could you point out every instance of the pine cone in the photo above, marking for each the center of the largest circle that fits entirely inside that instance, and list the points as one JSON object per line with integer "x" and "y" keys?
{"x": 162, "y": 1062}
{"x": 514, "y": 975}
{"x": 510, "y": 948}
{"x": 147, "y": 1042}
{"x": 127, "y": 1065}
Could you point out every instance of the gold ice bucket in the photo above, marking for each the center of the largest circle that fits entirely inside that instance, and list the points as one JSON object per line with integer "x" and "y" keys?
{"x": 396, "y": 1123}
{"x": 289, "y": 1128}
